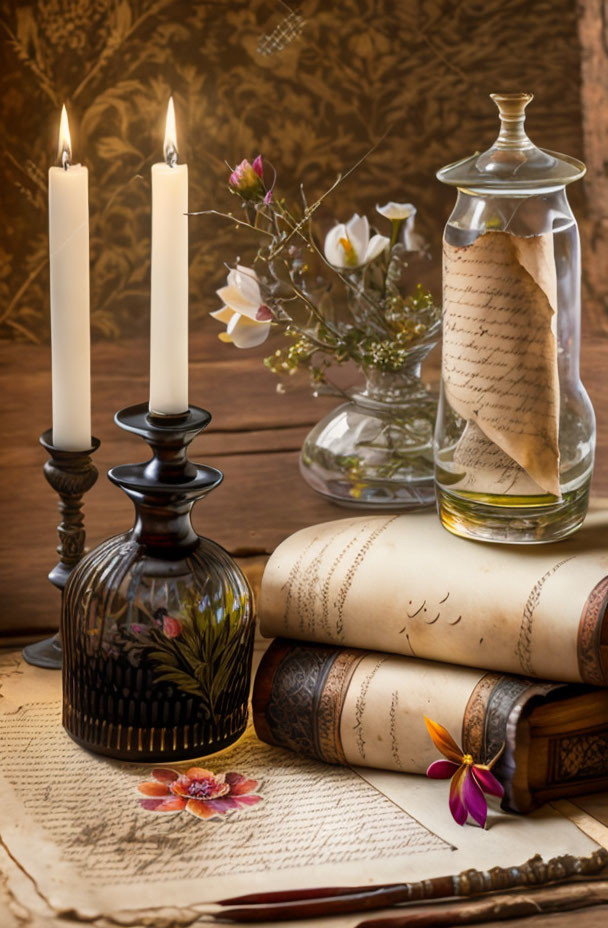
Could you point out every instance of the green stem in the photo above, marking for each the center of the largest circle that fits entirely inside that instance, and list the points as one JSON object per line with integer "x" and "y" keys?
{"x": 396, "y": 224}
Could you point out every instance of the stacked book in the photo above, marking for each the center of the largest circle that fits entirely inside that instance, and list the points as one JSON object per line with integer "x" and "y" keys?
{"x": 380, "y": 621}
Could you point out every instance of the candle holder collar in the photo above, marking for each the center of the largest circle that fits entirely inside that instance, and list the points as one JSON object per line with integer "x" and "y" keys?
{"x": 165, "y": 488}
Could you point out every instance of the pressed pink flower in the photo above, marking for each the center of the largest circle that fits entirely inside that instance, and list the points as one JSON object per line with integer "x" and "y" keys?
{"x": 172, "y": 628}
{"x": 198, "y": 791}
{"x": 469, "y": 780}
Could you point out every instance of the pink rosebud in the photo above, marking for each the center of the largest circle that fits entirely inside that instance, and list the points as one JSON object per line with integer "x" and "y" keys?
{"x": 171, "y": 627}
{"x": 246, "y": 179}
{"x": 239, "y": 173}
{"x": 258, "y": 166}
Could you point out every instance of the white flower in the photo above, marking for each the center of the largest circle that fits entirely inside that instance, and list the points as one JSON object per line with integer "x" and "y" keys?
{"x": 411, "y": 240}
{"x": 397, "y": 210}
{"x": 247, "y": 318}
{"x": 349, "y": 245}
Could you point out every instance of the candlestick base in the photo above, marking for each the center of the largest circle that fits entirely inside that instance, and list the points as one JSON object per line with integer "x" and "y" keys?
{"x": 46, "y": 653}
{"x": 158, "y": 622}
{"x": 71, "y": 474}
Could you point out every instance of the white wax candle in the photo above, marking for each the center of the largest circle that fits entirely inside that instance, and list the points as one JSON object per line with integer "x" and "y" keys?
{"x": 70, "y": 327}
{"x": 169, "y": 285}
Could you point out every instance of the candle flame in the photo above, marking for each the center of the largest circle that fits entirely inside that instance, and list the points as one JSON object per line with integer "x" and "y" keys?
{"x": 170, "y": 146}
{"x": 64, "y": 149}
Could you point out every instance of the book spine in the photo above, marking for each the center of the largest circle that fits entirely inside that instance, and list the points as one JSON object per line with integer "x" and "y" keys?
{"x": 298, "y": 696}
{"x": 491, "y": 722}
{"x": 592, "y": 640}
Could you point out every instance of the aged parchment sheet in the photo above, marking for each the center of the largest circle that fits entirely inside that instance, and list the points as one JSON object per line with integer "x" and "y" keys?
{"x": 72, "y": 822}
{"x": 500, "y": 354}
{"x": 487, "y": 468}
{"x": 405, "y": 585}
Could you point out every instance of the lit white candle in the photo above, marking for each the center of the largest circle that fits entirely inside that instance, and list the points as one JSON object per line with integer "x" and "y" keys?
{"x": 169, "y": 284}
{"x": 70, "y": 327}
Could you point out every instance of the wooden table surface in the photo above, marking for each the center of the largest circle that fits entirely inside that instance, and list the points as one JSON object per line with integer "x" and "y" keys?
{"x": 254, "y": 438}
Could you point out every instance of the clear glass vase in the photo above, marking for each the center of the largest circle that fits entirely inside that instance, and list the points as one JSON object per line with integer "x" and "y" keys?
{"x": 376, "y": 450}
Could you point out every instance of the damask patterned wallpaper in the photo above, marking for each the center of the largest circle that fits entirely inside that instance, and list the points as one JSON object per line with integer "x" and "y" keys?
{"x": 312, "y": 86}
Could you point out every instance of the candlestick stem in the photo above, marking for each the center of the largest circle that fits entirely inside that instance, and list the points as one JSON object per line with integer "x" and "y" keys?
{"x": 70, "y": 474}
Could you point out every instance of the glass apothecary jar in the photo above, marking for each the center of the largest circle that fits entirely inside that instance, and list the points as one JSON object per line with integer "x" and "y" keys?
{"x": 515, "y": 431}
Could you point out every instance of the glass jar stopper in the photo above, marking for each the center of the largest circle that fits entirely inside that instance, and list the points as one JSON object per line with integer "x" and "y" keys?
{"x": 513, "y": 162}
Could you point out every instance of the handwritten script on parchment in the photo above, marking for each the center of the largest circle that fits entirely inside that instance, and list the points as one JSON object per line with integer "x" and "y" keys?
{"x": 81, "y": 842}
{"x": 487, "y": 468}
{"x": 102, "y": 844}
{"x": 500, "y": 349}
{"x": 441, "y": 598}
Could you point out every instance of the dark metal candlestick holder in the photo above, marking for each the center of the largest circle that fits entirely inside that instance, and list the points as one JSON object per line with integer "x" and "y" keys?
{"x": 71, "y": 474}
{"x": 158, "y": 622}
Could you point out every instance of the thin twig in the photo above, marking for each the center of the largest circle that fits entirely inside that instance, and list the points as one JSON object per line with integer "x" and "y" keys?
{"x": 217, "y": 212}
{"x": 339, "y": 179}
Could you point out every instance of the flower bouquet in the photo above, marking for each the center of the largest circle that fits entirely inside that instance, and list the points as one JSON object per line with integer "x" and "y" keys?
{"x": 347, "y": 300}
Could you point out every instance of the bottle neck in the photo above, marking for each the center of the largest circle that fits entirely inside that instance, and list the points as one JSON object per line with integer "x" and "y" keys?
{"x": 393, "y": 387}
{"x": 165, "y": 488}
{"x": 163, "y": 524}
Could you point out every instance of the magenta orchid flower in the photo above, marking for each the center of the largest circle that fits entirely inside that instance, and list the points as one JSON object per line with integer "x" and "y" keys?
{"x": 469, "y": 780}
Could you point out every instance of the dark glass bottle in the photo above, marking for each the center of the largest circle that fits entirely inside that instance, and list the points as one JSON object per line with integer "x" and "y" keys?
{"x": 158, "y": 622}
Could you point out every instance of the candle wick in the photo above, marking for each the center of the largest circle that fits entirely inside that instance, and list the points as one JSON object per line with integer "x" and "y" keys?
{"x": 170, "y": 155}
{"x": 65, "y": 159}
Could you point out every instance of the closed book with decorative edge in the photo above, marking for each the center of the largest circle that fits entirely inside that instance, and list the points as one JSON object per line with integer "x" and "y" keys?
{"x": 363, "y": 708}
{"x": 403, "y": 585}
